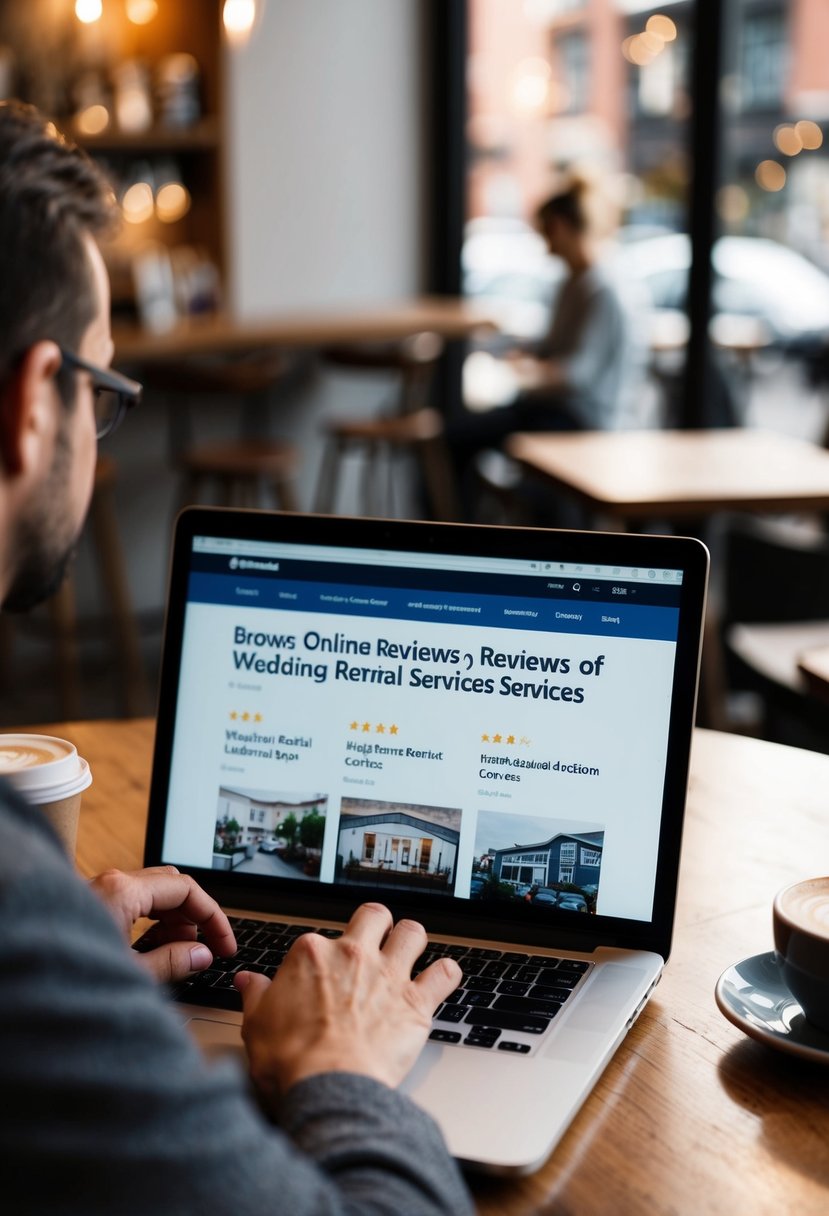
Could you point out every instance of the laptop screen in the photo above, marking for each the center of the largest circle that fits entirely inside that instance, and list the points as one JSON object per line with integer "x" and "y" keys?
{"x": 371, "y": 709}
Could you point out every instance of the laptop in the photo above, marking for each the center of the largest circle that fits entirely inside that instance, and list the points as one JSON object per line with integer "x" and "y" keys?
{"x": 485, "y": 728}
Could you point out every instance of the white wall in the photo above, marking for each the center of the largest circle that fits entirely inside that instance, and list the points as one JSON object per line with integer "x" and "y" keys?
{"x": 325, "y": 209}
{"x": 323, "y": 155}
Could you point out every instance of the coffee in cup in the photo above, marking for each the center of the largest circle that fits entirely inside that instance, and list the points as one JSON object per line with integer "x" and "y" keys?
{"x": 801, "y": 941}
{"x": 49, "y": 774}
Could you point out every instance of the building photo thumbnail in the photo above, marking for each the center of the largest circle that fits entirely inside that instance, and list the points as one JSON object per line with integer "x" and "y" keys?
{"x": 544, "y": 862}
{"x": 398, "y": 844}
{"x": 269, "y": 832}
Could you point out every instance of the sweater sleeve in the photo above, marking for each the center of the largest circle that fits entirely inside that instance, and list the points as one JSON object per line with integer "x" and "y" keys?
{"x": 109, "y": 1107}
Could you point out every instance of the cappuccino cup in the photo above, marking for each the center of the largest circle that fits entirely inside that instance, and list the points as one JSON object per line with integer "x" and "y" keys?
{"x": 48, "y": 773}
{"x": 801, "y": 941}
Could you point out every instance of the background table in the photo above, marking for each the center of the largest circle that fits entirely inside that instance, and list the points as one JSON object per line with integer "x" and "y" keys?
{"x": 690, "y": 1116}
{"x": 454, "y": 318}
{"x": 631, "y": 477}
{"x": 813, "y": 665}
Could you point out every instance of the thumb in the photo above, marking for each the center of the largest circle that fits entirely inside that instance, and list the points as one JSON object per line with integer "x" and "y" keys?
{"x": 252, "y": 986}
{"x": 176, "y": 960}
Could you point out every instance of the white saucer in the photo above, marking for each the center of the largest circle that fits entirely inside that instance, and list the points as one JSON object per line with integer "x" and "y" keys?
{"x": 752, "y": 995}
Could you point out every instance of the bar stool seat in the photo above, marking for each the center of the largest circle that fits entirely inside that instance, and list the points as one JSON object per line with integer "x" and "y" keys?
{"x": 410, "y": 427}
{"x": 254, "y": 470}
{"x": 245, "y": 473}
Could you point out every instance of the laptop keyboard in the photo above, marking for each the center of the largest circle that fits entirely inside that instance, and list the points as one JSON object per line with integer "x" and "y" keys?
{"x": 503, "y": 993}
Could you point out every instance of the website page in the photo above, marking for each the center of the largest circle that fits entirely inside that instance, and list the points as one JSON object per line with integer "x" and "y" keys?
{"x": 475, "y": 728}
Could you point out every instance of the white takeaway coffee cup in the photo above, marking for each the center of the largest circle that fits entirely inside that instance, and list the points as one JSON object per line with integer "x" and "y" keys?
{"x": 48, "y": 773}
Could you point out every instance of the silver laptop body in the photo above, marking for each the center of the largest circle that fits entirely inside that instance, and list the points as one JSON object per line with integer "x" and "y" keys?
{"x": 487, "y": 729}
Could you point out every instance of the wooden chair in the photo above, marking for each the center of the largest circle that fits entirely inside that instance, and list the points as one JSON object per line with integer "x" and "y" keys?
{"x": 407, "y": 428}
{"x": 251, "y": 469}
{"x": 775, "y": 602}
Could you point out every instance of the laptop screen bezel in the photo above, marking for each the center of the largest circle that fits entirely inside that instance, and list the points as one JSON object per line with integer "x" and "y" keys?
{"x": 513, "y": 922}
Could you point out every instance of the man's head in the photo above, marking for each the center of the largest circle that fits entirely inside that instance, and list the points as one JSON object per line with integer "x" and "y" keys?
{"x": 54, "y": 297}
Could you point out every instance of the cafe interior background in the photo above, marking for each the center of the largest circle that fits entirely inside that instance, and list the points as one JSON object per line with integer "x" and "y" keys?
{"x": 275, "y": 159}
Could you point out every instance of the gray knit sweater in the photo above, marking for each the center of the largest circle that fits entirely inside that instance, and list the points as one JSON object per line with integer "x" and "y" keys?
{"x": 107, "y": 1107}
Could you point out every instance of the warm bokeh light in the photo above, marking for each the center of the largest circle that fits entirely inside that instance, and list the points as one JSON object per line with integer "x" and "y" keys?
{"x": 238, "y": 17}
{"x": 141, "y": 12}
{"x": 809, "y": 133}
{"x": 137, "y": 203}
{"x": 88, "y": 11}
{"x": 640, "y": 49}
{"x": 732, "y": 204}
{"x": 92, "y": 120}
{"x": 531, "y": 86}
{"x": 787, "y": 140}
{"x": 770, "y": 176}
{"x": 172, "y": 202}
{"x": 652, "y": 43}
{"x": 662, "y": 26}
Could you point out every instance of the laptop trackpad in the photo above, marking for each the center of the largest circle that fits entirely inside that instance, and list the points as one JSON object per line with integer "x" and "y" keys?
{"x": 216, "y": 1038}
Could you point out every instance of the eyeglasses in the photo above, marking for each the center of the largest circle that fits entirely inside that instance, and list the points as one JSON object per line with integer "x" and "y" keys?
{"x": 113, "y": 393}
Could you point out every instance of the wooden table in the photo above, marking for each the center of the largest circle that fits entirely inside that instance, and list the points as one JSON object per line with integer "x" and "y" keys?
{"x": 813, "y": 665}
{"x": 794, "y": 654}
{"x": 629, "y": 478}
{"x": 690, "y": 1116}
{"x": 452, "y": 317}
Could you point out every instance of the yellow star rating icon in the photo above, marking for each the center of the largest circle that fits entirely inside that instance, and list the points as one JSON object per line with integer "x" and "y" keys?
{"x": 392, "y": 730}
{"x": 366, "y": 727}
{"x": 257, "y": 717}
{"x": 246, "y": 716}
{"x": 505, "y": 740}
{"x": 380, "y": 728}
{"x": 354, "y": 726}
{"x": 233, "y": 715}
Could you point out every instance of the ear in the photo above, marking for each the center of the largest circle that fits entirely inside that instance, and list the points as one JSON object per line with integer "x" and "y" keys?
{"x": 27, "y": 409}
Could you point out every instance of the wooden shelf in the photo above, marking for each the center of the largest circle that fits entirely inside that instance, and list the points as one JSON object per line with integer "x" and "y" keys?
{"x": 203, "y": 136}
{"x": 53, "y": 55}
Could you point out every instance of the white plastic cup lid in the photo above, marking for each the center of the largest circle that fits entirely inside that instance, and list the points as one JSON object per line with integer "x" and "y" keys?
{"x": 42, "y": 767}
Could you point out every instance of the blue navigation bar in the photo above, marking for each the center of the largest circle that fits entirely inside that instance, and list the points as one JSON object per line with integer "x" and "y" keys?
{"x": 442, "y": 607}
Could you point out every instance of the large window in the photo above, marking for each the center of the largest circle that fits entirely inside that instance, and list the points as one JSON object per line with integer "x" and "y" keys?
{"x": 596, "y": 88}
{"x": 763, "y": 60}
{"x": 606, "y": 88}
{"x": 771, "y": 261}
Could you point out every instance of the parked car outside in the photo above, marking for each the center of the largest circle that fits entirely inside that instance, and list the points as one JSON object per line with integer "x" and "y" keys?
{"x": 506, "y": 265}
{"x": 271, "y": 846}
{"x": 571, "y": 901}
{"x": 546, "y": 897}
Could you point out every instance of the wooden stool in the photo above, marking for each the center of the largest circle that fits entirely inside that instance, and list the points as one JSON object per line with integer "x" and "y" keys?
{"x": 252, "y": 471}
{"x": 411, "y": 426}
{"x": 247, "y": 473}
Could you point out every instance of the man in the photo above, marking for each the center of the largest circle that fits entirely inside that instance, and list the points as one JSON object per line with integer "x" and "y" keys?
{"x": 107, "y": 1105}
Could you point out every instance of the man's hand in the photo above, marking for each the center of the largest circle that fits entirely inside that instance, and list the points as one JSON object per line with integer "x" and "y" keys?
{"x": 344, "y": 1005}
{"x": 181, "y": 908}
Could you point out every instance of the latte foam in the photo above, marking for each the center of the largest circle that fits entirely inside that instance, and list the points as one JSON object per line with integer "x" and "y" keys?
{"x": 806, "y": 906}
{"x": 19, "y": 752}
